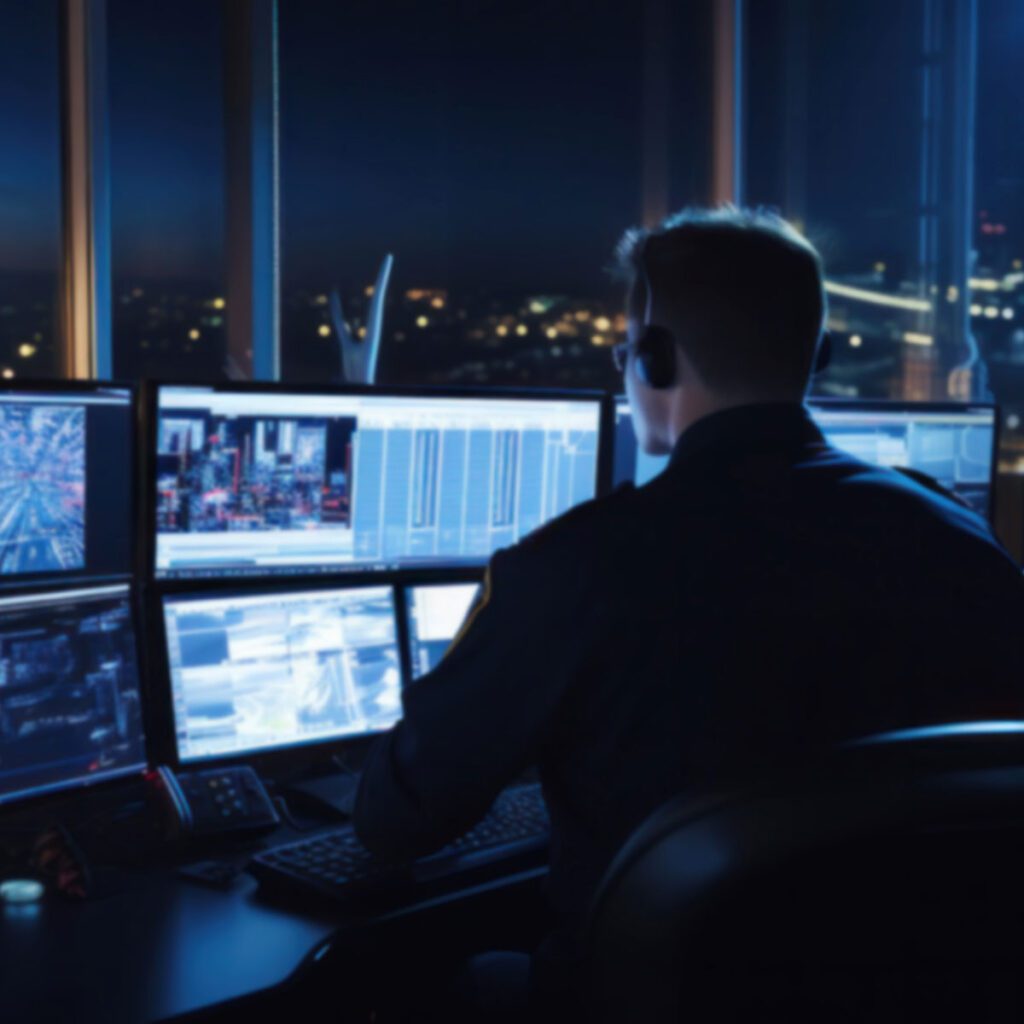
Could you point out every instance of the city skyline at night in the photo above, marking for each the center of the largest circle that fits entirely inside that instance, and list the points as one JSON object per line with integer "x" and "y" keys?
{"x": 499, "y": 165}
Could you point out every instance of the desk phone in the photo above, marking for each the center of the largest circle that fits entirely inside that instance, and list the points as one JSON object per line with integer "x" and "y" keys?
{"x": 216, "y": 801}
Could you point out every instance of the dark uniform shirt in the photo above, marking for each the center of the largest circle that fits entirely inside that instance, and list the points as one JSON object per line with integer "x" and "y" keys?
{"x": 766, "y": 596}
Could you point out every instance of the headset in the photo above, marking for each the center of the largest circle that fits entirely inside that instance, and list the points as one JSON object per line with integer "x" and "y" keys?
{"x": 654, "y": 352}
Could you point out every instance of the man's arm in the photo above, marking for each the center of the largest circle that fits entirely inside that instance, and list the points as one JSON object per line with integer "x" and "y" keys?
{"x": 482, "y": 716}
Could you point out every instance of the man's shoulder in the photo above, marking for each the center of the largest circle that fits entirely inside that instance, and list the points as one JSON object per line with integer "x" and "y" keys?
{"x": 903, "y": 510}
{"x": 911, "y": 493}
{"x": 579, "y": 533}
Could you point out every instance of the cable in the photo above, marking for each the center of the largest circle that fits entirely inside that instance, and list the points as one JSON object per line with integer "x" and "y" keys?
{"x": 282, "y": 808}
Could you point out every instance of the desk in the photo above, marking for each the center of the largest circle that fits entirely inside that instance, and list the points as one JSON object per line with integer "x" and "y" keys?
{"x": 161, "y": 947}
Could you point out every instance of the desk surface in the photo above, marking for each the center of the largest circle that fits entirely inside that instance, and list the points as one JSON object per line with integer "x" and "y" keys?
{"x": 161, "y": 947}
{"x": 167, "y": 947}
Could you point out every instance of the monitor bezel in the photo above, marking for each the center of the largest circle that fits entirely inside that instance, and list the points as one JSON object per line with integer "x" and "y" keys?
{"x": 149, "y": 437}
{"x": 880, "y": 405}
{"x": 135, "y": 504}
{"x": 286, "y": 761}
{"x": 61, "y": 791}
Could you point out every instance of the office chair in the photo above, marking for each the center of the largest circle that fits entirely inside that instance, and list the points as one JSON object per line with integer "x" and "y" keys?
{"x": 883, "y": 885}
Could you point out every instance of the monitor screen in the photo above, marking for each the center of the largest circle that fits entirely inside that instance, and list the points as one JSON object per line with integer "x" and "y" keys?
{"x": 954, "y": 444}
{"x": 257, "y": 672}
{"x": 630, "y": 463}
{"x": 66, "y": 491}
{"x": 436, "y": 613}
{"x": 267, "y": 482}
{"x": 70, "y": 710}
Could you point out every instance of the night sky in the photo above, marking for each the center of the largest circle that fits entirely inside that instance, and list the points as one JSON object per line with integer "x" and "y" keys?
{"x": 30, "y": 150}
{"x": 490, "y": 144}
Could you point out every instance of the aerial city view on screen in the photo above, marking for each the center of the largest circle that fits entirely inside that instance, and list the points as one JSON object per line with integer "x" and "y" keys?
{"x": 258, "y": 672}
{"x": 42, "y": 487}
{"x": 69, "y": 690}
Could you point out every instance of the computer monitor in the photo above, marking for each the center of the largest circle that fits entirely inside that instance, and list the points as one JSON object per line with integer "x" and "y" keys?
{"x": 66, "y": 484}
{"x": 70, "y": 709}
{"x": 952, "y": 442}
{"x": 264, "y": 481}
{"x": 436, "y": 612}
{"x": 264, "y": 671}
{"x": 630, "y": 464}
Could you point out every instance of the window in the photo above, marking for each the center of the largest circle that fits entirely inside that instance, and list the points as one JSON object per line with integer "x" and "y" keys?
{"x": 30, "y": 199}
{"x": 497, "y": 151}
{"x": 167, "y": 178}
{"x": 997, "y": 293}
{"x": 851, "y": 133}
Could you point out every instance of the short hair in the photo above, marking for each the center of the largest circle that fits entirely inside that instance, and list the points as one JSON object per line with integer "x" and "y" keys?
{"x": 744, "y": 288}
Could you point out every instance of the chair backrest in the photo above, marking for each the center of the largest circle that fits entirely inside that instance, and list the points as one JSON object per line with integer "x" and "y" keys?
{"x": 891, "y": 875}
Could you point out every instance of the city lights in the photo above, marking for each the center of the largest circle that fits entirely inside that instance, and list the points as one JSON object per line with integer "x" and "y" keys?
{"x": 975, "y": 309}
{"x": 856, "y": 341}
{"x": 324, "y": 331}
{"x": 8, "y": 373}
{"x": 193, "y": 334}
{"x": 552, "y": 333}
{"x": 602, "y": 323}
{"x": 991, "y": 312}
{"x": 422, "y": 321}
{"x": 437, "y": 302}
{"x": 219, "y": 303}
{"x": 26, "y": 350}
{"x": 501, "y": 330}
{"x": 916, "y": 338}
{"x": 1008, "y": 313}
{"x": 521, "y": 330}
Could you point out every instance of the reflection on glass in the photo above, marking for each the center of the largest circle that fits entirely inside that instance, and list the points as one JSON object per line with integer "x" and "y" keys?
{"x": 858, "y": 131}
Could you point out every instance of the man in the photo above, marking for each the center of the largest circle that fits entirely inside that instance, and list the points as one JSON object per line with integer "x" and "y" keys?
{"x": 765, "y": 597}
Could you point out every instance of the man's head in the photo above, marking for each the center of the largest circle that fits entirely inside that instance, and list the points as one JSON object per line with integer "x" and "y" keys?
{"x": 741, "y": 295}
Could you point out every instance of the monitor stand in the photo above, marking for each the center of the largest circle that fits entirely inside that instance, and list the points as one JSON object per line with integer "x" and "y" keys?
{"x": 333, "y": 795}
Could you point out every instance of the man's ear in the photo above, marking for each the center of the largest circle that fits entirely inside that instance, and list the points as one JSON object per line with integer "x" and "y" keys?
{"x": 823, "y": 356}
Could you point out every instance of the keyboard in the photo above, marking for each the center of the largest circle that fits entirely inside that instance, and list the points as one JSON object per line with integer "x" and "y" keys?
{"x": 336, "y": 865}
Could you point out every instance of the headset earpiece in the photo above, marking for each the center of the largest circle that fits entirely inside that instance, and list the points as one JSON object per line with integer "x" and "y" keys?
{"x": 655, "y": 350}
{"x": 655, "y": 357}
